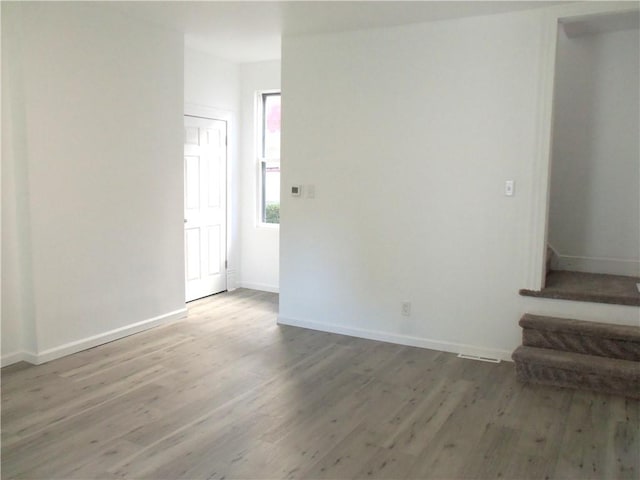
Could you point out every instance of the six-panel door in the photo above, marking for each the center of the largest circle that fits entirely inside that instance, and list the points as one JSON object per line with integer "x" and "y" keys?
{"x": 205, "y": 159}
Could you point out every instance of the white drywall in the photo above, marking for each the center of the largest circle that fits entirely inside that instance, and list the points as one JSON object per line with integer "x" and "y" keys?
{"x": 95, "y": 177}
{"x": 211, "y": 88}
{"x": 408, "y": 135}
{"x": 594, "y": 218}
{"x": 260, "y": 244}
{"x": 210, "y": 81}
{"x": 16, "y": 277}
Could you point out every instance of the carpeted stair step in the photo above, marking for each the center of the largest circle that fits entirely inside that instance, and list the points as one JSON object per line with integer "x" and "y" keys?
{"x": 578, "y": 336}
{"x": 576, "y": 370}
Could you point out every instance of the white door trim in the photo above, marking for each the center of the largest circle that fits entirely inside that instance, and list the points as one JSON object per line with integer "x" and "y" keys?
{"x": 195, "y": 110}
{"x": 541, "y": 166}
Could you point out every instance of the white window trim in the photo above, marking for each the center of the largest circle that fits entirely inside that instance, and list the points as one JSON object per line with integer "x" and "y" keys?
{"x": 259, "y": 114}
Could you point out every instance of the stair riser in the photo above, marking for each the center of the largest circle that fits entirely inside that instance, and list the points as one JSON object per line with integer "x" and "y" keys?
{"x": 546, "y": 375}
{"x": 588, "y": 345}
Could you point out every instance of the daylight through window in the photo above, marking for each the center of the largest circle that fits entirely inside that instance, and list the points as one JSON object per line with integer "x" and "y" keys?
{"x": 270, "y": 158}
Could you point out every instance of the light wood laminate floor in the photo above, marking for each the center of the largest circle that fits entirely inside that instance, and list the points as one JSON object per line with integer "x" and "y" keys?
{"x": 227, "y": 393}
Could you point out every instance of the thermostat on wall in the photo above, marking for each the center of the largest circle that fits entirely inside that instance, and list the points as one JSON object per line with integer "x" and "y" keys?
{"x": 296, "y": 190}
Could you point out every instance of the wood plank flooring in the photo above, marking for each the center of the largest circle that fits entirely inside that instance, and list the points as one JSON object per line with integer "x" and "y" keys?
{"x": 227, "y": 393}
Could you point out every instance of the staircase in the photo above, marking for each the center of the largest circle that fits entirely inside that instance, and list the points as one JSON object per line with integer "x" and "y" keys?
{"x": 586, "y": 287}
{"x": 578, "y": 354}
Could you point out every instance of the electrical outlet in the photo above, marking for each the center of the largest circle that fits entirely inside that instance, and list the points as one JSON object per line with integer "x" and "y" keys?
{"x": 405, "y": 309}
{"x": 509, "y": 188}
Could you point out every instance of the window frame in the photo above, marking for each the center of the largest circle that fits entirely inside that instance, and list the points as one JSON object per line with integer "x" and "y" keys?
{"x": 263, "y": 162}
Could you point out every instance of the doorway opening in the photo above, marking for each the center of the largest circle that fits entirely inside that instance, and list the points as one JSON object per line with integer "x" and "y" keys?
{"x": 592, "y": 239}
{"x": 205, "y": 206}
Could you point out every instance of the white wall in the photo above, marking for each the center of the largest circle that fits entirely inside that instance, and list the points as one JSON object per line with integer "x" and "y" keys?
{"x": 17, "y": 290}
{"x": 210, "y": 81}
{"x": 594, "y": 221}
{"x": 214, "y": 84}
{"x": 92, "y": 205}
{"x": 260, "y": 244}
{"x": 408, "y": 135}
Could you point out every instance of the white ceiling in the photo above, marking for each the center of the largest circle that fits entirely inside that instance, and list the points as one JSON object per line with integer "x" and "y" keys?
{"x": 597, "y": 24}
{"x": 242, "y": 31}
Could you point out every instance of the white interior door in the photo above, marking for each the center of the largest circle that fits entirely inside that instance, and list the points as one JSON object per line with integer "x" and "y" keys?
{"x": 205, "y": 206}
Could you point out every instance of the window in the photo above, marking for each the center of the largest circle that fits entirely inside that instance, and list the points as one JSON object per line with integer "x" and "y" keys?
{"x": 269, "y": 158}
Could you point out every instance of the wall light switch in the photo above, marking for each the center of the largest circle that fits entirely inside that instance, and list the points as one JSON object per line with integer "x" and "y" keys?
{"x": 311, "y": 191}
{"x": 296, "y": 190}
{"x": 509, "y": 188}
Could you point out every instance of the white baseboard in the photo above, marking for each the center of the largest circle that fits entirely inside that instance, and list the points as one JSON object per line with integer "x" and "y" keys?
{"x": 15, "y": 357}
{"x": 93, "y": 341}
{"x": 11, "y": 358}
{"x": 400, "y": 339}
{"x": 263, "y": 287}
{"x": 613, "y": 266}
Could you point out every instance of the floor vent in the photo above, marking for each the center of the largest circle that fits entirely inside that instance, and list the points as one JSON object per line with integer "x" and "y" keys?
{"x": 480, "y": 359}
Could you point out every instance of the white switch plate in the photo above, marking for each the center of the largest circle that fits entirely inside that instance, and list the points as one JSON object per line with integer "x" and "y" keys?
{"x": 311, "y": 191}
{"x": 509, "y": 188}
